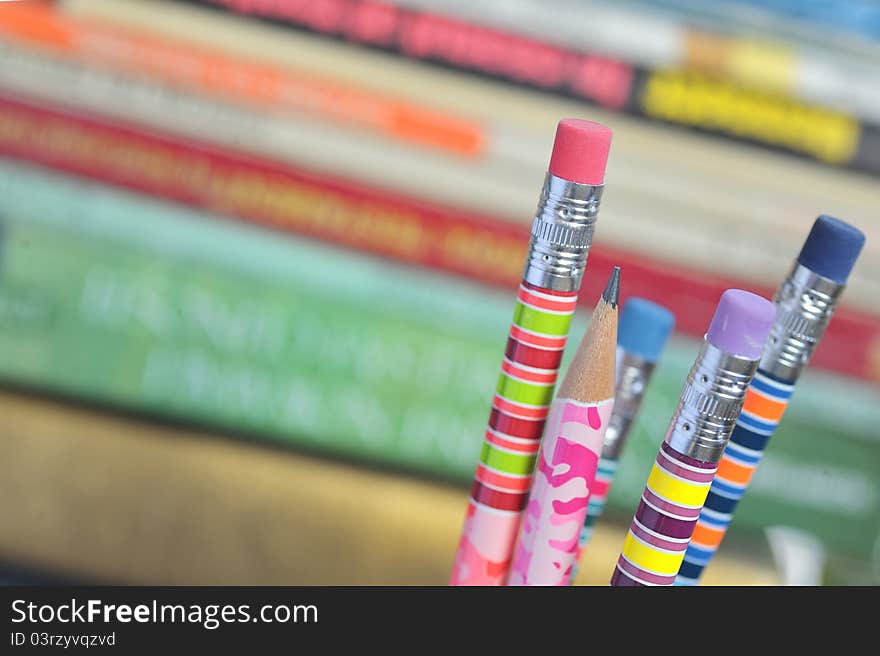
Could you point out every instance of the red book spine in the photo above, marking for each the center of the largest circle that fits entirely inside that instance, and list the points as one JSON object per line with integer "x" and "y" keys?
{"x": 382, "y": 222}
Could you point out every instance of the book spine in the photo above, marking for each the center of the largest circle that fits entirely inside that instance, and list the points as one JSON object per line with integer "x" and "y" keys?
{"x": 739, "y": 49}
{"x": 649, "y": 217}
{"x": 348, "y": 214}
{"x": 482, "y": 185}
{"x": 216, "y": 74}
{"x": 676, "y": 96}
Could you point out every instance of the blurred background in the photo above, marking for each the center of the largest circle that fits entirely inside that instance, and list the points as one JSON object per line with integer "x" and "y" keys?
{"x": 258, "y": 261}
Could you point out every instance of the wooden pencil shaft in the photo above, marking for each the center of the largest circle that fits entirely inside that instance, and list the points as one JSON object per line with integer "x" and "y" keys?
{"x": 590, "y": 376}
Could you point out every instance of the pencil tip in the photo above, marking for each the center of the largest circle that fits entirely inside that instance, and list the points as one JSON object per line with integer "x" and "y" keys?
{"x": 612, "y": 289}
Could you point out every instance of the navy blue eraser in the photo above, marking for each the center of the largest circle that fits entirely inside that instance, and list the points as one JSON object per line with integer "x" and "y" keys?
{"x": 643, "y": 328}
{"x": 831, "y": 248}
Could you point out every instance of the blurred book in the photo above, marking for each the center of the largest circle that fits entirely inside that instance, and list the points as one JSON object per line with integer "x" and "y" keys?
{"x": 141, "y": 304}
{"x": 338, "y": 211}
{"x": 223, "y": 221}
{"x": 636, "y": 62}
{"x": 771, "y": 48}
{"x": 110, "y": 499}
{"x": 844, "y": 27}
{"x": 762, "y": 205}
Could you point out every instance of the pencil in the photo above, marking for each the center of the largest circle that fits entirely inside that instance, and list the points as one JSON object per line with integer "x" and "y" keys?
{"x": 548, "y": 537}
{"x": 710, "y": 402}
{"x": 805, "y": 302}
{"x": 561, "y": 235}
{"x": 643, "y": 329}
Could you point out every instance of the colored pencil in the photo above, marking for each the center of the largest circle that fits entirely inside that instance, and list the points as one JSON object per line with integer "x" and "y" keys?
{"x": 805, "y": 303}
{"x": 642, "y": 333}
{"x": 710, "y": 403}
{"x": 561, "y": 235}
{"x": 570, "y": 450}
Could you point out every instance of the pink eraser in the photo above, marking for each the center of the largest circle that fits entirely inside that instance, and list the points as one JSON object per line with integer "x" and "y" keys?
{"x": 580, "y": 151}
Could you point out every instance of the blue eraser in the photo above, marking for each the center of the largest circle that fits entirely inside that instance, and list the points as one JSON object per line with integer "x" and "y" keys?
{"x": 831, "y": 248}
{"x": 643, "y": 328}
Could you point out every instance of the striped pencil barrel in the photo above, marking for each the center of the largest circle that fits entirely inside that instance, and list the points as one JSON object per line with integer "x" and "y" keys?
{"x": 560, "y": 240}
{"x": 688, "y": 458}
{"x": 642, "y": 332}
{"x": 805, "y": 302}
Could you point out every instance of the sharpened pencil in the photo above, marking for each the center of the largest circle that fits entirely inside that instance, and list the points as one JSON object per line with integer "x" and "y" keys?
{"x": 546, "y": 550}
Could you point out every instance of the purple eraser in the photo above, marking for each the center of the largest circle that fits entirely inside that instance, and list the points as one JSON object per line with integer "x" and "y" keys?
{"x": 741, "y": 323}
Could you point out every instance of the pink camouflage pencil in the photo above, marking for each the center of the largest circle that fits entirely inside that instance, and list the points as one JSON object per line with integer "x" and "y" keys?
{"x": 547, "y": 547}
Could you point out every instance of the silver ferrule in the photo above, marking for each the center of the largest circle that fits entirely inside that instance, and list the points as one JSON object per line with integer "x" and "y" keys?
{"x": 804, "y": 304}
{"x": 633, "y": 374}
{"x": 561, "y": 234}
{"x": 710, "y": 403}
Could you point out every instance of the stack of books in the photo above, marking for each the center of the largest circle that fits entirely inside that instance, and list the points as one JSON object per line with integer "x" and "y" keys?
{"x": 302, "y": 223}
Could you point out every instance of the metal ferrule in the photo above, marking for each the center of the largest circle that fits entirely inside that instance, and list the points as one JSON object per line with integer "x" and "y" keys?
{"x": 710, "y": 403}
{"x": 633, "y": 374}
{"x": 804, "y": 304}
{"x": 561, "y": 234}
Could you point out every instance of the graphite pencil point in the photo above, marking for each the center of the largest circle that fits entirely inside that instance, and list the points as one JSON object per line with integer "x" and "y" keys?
{"x": 611, "y": 295}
